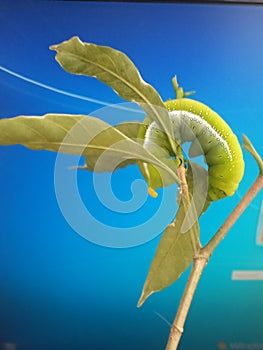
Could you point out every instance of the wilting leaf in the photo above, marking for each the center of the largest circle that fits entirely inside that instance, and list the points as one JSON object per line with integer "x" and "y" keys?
{"x": 174, "y": 254}
{"x": 79, "y": 135}
{"x": 115, "y": 69}
{"x": 250, "y": 148}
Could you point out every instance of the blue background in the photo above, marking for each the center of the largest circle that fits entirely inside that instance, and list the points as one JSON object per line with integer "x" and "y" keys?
{"x": 59, "y": 291}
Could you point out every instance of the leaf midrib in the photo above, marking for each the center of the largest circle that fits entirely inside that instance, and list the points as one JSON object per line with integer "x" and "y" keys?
{"x": 154, "y": 160}
{"x": 115, "y": 75}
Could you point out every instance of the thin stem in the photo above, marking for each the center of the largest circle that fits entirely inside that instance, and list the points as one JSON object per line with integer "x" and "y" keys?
{"x": 185, "y": 198}
{"x": 198, "y": 266}
{"x": 183, "y": 183}
{"x": 179, "y": 91}
{"x": 201, "y": 260}
{"x": 179, "y": 321}
{"x": 235, "y": 214}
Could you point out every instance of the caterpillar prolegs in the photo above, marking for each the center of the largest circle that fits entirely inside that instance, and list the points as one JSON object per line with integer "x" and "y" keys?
{"x": 209, "y": 135}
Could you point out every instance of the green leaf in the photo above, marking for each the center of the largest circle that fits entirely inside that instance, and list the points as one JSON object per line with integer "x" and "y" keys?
{"x": 115, "y": 69}
{"x": 197, "y": 180}
{"x": 41, "y": 133}
{"x": 78, "y": 134}
{"x": 174, "y": 254}
{"x": 130, "y": 129}
{"x": 250, "y": 148}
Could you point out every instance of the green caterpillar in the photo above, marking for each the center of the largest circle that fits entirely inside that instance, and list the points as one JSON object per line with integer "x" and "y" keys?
{"x": 195, "y": 122}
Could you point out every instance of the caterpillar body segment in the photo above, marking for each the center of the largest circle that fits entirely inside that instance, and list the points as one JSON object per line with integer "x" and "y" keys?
{"x": 209, "y": 134}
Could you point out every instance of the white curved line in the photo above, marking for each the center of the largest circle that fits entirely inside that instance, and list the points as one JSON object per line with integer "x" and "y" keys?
{"x": 163, "y": 318}
{"x": 51, "y": 88}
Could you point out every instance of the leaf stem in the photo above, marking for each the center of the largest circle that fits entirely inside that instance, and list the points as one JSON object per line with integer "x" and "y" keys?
{"x": 179, "y": 91}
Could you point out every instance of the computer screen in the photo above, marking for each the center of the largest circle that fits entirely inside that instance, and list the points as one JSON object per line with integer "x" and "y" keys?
{"x": 74, "y": 257}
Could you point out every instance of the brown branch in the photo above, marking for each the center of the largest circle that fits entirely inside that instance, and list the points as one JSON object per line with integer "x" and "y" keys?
{"x": 179, "y": 321}
{"x": 202, "y": 258}
{"x": 198, "y": 266}
{"x": 233, "y": 217}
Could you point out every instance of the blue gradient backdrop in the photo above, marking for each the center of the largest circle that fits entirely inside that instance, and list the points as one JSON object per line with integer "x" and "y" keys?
{"x": 59, "y": 291}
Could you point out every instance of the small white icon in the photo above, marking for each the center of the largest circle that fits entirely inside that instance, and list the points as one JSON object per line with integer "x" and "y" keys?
{"x": 247, "y": 275}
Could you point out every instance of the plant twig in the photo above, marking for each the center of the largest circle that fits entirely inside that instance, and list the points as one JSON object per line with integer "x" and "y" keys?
{"x": 200, "y": 262}
{"x": 232, "y": 218}
{"x": 198, "y": 266}
{"x": 189, "y": 210}
{"x": 178, "y": 324}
